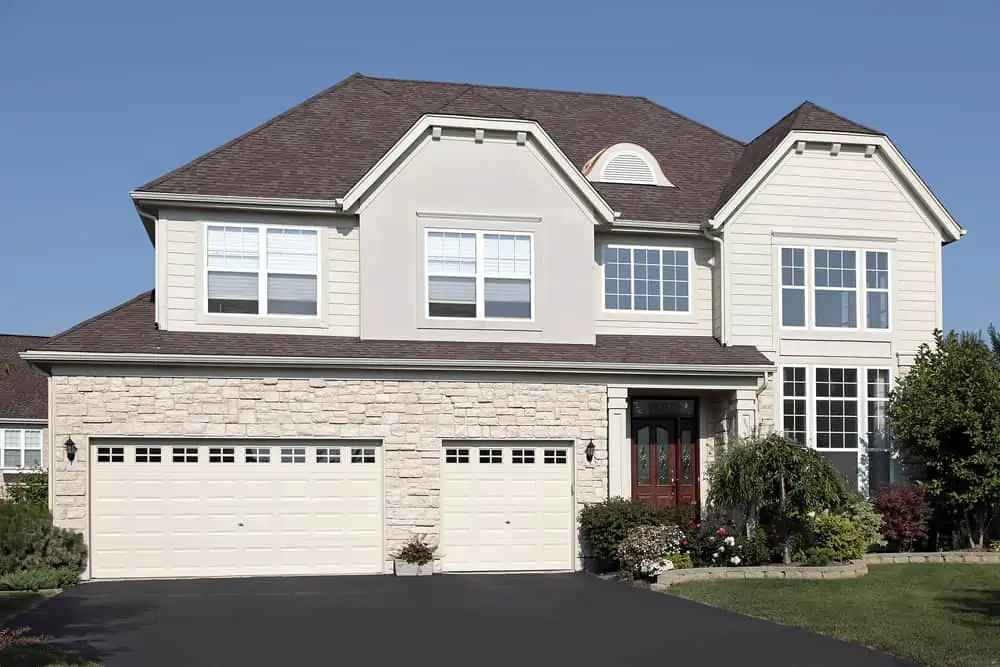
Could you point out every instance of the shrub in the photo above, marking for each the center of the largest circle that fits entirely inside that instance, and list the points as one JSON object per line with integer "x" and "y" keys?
{"x": 716, "y": 542}
{"x": 680, "y": 561}
{"x": 906, "y": 512}
{"x": 604, "y": 525}
{"x": 417, "y": 551}
{"x": 62, "y": 549}
{"x": 760, "y": 548}
{"x": 836, "y": 535}
{"x": 643, "y": 552}
{"x": 31, "y": 487}
{"x": 869, "y": 523}
{"x": 37, "y": 579}
{"x": 24, "y": 529}
{"x": 11, "y": 637}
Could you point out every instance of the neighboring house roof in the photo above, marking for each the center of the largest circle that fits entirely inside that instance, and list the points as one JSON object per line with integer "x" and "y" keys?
{"x": 806, "y": 116}
{"x": 129, "y": 329}
{"x": 319, "y": 149}
{"x": 24, "y": 390}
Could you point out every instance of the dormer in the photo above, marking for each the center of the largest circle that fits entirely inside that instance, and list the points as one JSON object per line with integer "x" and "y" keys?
{"x": 626, "y": 163}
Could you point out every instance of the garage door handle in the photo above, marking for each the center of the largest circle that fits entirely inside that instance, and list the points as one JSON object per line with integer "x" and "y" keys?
{"x": 240, "y": 524}
{"x": 507, "y": 522}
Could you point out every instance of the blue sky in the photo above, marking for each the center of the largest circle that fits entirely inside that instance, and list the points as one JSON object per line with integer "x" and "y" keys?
{"x": 99, "y": 97}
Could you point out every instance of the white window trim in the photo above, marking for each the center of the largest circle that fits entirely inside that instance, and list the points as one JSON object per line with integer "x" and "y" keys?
{"x": 887, "y": 291}
{"x": 804, "y": 288}
{"x": 261, "y": 271}
{"x": 632, "y": 248}
{"x": 860, "y": 282}
{"x": 480, "y": 277}
{"x": 22, "y": 448}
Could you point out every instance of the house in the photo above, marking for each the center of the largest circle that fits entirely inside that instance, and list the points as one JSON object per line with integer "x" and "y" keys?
{"x": 466, "y": 311}
{"x": 24, "y": 411}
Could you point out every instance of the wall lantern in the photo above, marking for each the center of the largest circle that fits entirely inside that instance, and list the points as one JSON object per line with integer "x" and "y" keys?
{"x": 589, "y": 451}
{"x": 70, "y": 449}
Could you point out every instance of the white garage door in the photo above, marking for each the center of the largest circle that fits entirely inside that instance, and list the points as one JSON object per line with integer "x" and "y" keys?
{"x": 507, "y": 507}
{"x": 235, "y": 509}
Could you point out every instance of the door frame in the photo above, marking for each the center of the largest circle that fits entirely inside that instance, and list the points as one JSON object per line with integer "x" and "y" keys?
{"x": 634, "y": 423}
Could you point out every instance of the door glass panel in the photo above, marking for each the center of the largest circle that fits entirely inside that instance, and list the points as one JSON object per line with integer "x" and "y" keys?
{"x": 687, "y": 461}
{"x": 663, "y": 407}
{"x": 642, "y": 455}
{"x": 662, "y": 465}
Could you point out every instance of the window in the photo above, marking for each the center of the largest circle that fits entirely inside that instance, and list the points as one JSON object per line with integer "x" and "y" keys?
{"x": 184, "y": 455}
{"x": 556, "y": 456}
{"x": 647, "y": 279}
{"x": 878, "y": 401}
{"x": 363, "y": 455}
{"x": 836, "y": 292}
{"x": 257, "y": 455}
{"x": 148, "y": 455}
{"x": 491, "y": 456}
{"x": 293, "y": 455}
{"x": 877, "y": 289}
{"x": 262, "y": 270}
{"x": 110, "y": 454}
{"x": 456, "y": 456}
{"x": 328, "y": 455}
{"x": 479, "y": 275}
{"x": 221, "y": 455}
{"x": 522, "y": 456}
{"x": 836, "y": 408}
{"x": 793, "y": 406}
{"x": 793, "y": 287}
{"x": 20, "y": 448}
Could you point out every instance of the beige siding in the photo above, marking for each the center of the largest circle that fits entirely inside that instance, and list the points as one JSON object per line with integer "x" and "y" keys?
{"x": 816, "y": 199}
{"x": 494, "y": 185}
{"x": 183, "y": 275}
{"x": 696, "y": 323}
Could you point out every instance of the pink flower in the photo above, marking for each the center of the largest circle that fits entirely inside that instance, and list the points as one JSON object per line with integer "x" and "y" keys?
{"x": 684, "y": 543}
{"x": 721, "y": 531}
{"x": 697, "y": 525}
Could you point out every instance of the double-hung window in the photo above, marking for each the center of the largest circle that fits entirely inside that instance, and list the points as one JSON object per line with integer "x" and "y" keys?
{"x": 20, "y": 448}
{"x": 262, "y": 270}
{"x": 479, "y": 275}
{"x": 640, "y": 278}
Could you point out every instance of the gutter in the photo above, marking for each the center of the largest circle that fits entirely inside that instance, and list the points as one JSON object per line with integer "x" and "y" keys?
{"x": 716, "y": 238}
{"x": 14, "y": 420}
{"x": 237, "y": 202}
{"x": 46, "y": 357}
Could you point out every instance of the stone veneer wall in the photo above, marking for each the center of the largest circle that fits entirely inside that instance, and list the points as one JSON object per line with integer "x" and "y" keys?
{"x": 409, "y": 417}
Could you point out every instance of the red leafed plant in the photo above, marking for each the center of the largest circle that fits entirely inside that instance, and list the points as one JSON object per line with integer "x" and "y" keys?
{"x": 10, "y": 637}
{"x": 906, "y": 512}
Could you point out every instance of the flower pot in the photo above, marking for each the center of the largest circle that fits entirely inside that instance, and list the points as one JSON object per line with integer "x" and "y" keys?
{"x": 404, "y": 569}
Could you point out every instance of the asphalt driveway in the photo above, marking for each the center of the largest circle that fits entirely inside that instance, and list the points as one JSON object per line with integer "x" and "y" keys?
{"x": 444, "y": 620}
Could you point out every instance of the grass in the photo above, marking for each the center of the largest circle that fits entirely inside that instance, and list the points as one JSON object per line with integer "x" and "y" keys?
{"x": 936, "y": 614}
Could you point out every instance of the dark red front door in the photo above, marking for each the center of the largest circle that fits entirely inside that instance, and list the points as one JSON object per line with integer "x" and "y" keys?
{"x": 665, "y": 461}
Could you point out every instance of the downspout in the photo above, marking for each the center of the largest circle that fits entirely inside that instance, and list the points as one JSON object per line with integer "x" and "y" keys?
{"x": 717, "y": 239}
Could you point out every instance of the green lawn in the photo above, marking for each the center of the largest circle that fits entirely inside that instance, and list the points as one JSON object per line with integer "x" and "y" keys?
{"x": 940, "y": 615}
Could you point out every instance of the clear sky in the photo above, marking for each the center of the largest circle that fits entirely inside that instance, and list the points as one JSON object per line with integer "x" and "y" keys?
{"x": 99, "y": 97}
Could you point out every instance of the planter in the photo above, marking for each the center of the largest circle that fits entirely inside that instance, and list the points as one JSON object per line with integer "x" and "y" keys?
{"x": 404, "y": 569}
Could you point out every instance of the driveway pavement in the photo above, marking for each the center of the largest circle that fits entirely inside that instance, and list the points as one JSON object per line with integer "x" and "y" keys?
{"x": 444, "y": 620}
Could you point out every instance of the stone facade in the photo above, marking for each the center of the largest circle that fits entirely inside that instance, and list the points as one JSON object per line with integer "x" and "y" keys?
{"x": 411, "y": 418}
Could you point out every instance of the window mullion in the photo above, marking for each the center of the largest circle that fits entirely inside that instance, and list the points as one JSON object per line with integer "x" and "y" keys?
{"x": 262, "y": 270}
{"x": 480, "y": 278}
{"x": 631, "y": 268}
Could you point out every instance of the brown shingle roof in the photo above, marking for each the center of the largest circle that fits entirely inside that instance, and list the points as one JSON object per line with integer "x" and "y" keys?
{"x": 23, "y": 390}
{"x": 128, "y": 328}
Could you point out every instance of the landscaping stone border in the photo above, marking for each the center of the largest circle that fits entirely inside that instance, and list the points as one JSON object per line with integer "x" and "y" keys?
{"x": 852, "y": 570}
{"x": 975, "y": 557}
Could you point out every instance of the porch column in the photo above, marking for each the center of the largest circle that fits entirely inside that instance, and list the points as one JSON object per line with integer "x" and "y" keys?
{"x": 619, "y": 456}
{"x": 743, "y": 414}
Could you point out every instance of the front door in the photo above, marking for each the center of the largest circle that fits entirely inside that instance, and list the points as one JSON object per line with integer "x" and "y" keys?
{"x": 664, "y": 454}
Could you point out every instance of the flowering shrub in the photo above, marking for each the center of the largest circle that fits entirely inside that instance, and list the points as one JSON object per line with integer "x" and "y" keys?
{"x": 11, "y": 637}
{"x": 906, "y": 512}
{"x": 604, "y": 525}
{"x": 714, "y": 543}
{"x": 643, "y": 553}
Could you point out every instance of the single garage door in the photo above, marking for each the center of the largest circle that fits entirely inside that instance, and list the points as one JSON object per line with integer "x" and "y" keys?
{"x": 507, "y": 507}
{"x": 235, "y": 508}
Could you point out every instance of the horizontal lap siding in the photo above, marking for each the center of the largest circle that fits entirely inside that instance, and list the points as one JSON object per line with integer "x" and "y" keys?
{"x": 832, "y": 195}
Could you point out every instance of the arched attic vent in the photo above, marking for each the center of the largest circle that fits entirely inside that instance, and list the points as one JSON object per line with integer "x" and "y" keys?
{"x": 625, "y": 163}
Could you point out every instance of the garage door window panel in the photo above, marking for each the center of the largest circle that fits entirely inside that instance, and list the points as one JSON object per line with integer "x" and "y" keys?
{"x": 555, "y": 456}
{"x": 491, "y": 456}
{"x": 523, "y": 456}
{"x": 222, "y": 455}
{"x": 257, "y": 455}
{"x": 363, "y": 455}
{"x": 148, "y": 455}
{"x": 293, "y": 455}
{"x": 110, "y": 454}
{"x": 184, "y": 455}
{"x": 456, "y": 455}
{"x": 328, "y": 455}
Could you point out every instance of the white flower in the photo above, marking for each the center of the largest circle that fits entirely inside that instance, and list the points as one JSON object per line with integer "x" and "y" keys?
{"x": 667, "y": 564}
{"x": 730, "y": 540}
{"x": 735, "y": 560}
{"x": 811, "y": 515}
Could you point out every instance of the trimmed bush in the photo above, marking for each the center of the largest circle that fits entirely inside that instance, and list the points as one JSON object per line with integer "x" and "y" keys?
{"x": 24, "y": 531}
{"x": 837, "y": 536}
{"x": 906, "y": 512}
{"x": 680, "y": 561}
{"x": 38, "y": 579}
{"x": 870, "y": 523}
{"x": 62, "y": 549}
{"x": 604, "y": 525}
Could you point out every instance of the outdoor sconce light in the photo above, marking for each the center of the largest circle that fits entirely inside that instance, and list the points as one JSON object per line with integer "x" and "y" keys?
{"x": 589, "y": 451}
{"x": 70, "y": 449}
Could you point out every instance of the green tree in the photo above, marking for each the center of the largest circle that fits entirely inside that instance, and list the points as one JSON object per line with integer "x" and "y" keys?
{"x": 945, "y": 416}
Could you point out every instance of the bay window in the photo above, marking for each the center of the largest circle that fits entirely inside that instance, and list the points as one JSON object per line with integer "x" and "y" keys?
{"x": 262, "y": 270}
{"x": 479, "y": 275}
{"x": 20, "y": 448}
{"x": 640, "y": 278}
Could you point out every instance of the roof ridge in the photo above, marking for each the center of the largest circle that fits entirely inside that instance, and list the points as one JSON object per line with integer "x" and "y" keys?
{"x": 394, "y": 96}
{"x": 107, "y": 312}
{"x": 157, "y": 181}
{"x": 471, "y": 90}
{"x": 692, "y": 120}
{"x": 486, "y": 85}
{"x": 841, "y": 117}
{"x": 14, "y": 335}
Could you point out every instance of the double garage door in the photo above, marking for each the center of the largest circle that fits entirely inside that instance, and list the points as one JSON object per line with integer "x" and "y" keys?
{"x": 290, "y": 507}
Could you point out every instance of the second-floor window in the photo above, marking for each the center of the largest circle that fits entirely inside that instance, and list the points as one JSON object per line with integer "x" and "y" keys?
{"x": 647, "y": 279}
{"x": 262, "y": 270}
{"x": 831, "y": 289}
{"x": 479, "y": 275}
